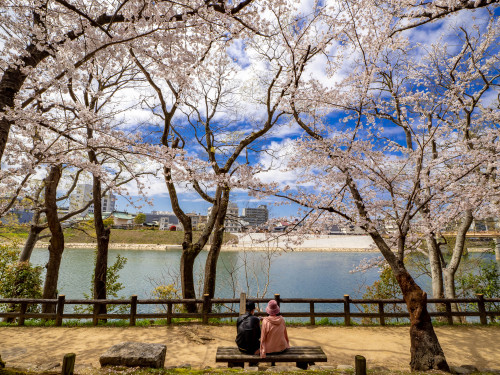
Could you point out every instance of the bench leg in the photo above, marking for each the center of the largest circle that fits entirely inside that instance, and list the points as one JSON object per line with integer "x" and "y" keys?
{"x": 273, "y": 363}
{"x": 235, "y": 364}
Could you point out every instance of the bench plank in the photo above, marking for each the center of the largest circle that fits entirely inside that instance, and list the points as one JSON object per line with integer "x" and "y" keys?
{"x": 293, "y": 354}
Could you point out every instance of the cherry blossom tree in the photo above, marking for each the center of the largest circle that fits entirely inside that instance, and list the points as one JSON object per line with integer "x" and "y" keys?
{"x": 204, "y": 128}
{"x": 44, "y": 41}
{"x": 364, "y": 175}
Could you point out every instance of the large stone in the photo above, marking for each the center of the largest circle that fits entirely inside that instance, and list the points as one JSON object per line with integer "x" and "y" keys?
{"x": 133, "y": 354}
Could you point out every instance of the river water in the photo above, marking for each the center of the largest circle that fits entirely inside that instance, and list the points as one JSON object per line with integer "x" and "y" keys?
{"x": 291, "y": 274}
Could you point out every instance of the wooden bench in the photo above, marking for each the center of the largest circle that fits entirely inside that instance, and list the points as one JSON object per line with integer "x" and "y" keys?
{"x": 303, "y": 356}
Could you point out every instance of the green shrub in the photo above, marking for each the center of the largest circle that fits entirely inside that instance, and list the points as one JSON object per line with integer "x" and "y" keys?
{"x": 18, "y": 280}
{"x": 386, "y": 287}
{"x": 168, "y": 291}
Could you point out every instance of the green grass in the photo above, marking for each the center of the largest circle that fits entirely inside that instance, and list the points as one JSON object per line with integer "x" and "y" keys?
{"x": 121, "y": 236}
{"x": 212, "y": 371}
{"x": 17, "y": 232}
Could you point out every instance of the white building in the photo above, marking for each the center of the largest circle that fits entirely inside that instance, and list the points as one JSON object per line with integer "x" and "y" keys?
{"x": 232, "y": 222}
{"x": 167, "y": 221}
{"x": 83, "y": 193}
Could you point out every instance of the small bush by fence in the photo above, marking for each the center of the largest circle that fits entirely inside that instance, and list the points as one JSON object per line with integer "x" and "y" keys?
{"x": 349, "y": 309}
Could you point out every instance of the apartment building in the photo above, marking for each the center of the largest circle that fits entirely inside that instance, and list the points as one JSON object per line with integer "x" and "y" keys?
{"x": 83, "y": 193}
{"x": 232, "y": 222}
{"x": 255, "y": 216}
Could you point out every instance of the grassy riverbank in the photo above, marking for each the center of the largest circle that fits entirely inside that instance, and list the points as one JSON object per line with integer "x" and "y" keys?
{"x": 118, "y": 236}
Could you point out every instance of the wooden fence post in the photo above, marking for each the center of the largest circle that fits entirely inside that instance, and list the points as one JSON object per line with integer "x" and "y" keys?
{"x": 22, "y": 312}
{"x": 482, "y": 309}
{"x": 68, "y": 366}
{"x": 133, "y": 309}
{"x": 347, "y": 310}
{"x": 381, "y": 315}
{"x": 94, "y": 314}
{"x": 311, "y": 309}
{"x": 277, "y": 299}
{"x": 169, "y": 313}
{"x": 243, "y": 303}
{"x": 206, "y": 307}
{"x": 60, "y": 309}
{"x": 360, "y": 365}
{"x": 447, "y": 305}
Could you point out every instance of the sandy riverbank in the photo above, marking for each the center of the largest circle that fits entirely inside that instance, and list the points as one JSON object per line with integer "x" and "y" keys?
{"x": 265, "y": 242}
{"x": 261, "y": 242}
{"x": 41, "y": 347}
{"x": 145, "y": 247}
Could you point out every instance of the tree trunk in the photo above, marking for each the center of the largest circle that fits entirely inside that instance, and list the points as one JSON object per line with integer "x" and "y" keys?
{"x": 213, "y": 254}
{"x": 30, "y": 243}
{"x": 56, "y": 245}
{"x": 456, "y": 257}
{"x": 102, "y": 234}
{"x": 190, "y": 250}
{"x": 426, "y": 352}
{"x": 433, "y": 252}
{"x": 187, "y": 277}
{"x": 35, "y": 229}
{"x": 436, "y": 268}
{"x": 497, "y": 251}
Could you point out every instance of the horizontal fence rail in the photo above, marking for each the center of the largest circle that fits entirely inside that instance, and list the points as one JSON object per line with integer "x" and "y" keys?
{"x": 17, "y": 308}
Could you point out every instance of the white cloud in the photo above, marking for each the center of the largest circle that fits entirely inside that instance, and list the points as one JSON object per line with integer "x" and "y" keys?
{"x": 274, "y": 163}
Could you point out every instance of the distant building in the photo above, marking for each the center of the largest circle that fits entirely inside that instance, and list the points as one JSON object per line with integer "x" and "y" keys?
{"x": 161, "y": 213}
{"x": 232, "y": 222}
{"x": 485, "y": 225}
{"x": 83, "y": 193}
{"x": 18, "y": 213}
{"x": 122, "y": 219}
{"x": 197, "y": 220}
{"x": 17, "y": 216}
{"x": 167, "y": 220}
{"x": 255, "y": 216}
{"x": 156, "y": 217}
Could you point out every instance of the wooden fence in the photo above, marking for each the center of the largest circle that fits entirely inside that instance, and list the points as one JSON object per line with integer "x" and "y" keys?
{"x": 205, "y": 307}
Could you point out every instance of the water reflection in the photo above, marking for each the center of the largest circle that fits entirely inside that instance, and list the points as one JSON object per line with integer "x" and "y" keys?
{"x": 292, "y": 274}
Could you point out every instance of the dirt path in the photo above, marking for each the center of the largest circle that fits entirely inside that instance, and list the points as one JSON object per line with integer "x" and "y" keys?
{"x": 196, "y": 345}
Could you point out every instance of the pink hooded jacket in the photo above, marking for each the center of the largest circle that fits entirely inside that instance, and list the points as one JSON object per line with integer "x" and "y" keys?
{"x": 273, "y": 335}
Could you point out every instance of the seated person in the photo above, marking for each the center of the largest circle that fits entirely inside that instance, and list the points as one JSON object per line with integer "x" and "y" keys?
{"x": 248, "y": 331}
{"x": 274, "y": 338}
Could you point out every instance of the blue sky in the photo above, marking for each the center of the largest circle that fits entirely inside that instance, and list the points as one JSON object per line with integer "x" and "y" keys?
{"x": 191, "y": 202}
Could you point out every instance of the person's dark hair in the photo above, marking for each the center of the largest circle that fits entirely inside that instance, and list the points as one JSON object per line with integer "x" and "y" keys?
{"x": 250, "y": 306}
